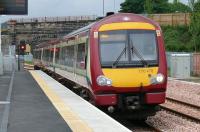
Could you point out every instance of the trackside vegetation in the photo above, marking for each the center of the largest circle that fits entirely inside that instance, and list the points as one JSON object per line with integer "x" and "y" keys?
{"x": 183, "y": 38}
{"x": 178, "y": 39}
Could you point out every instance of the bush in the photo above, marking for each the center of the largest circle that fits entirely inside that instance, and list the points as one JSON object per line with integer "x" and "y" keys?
{"x": 177, "y": 38}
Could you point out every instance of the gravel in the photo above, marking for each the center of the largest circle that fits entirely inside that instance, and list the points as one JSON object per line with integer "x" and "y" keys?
{"x": 183, "y": 91}
{"x": 183, "y": 109}
{"x": 187, "y": 92}
{"x": 172, "y": 123}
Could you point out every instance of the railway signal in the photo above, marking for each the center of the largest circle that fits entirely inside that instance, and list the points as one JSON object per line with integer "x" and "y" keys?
{"x": 22, "y": 47}
{"x": 21, "y": 51}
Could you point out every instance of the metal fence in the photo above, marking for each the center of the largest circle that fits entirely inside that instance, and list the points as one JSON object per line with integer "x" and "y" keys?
{"x": 162, "y": 19}
{"x": 171, "y": 19}
{"x": 55, "y": 19}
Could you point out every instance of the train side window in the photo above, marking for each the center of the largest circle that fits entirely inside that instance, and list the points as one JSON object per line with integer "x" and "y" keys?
{"x": 62, "y": 55}
{"x": 81, "y": 56}
{"x": 45, "y": 55}
{"x": 51, "y": 50}
{"x": 69, "y": 59}
{"x": 57, "y": 55}
{"x": 67, "y": 56}
{"x": 38, "y": 55}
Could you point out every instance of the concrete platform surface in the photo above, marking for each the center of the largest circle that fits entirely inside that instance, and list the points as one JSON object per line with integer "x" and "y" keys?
{"x": 32, "y": 101}
{"x": 4, "y": 88}
{"x": 29, "y": 109}
{"x": 80, "y": 115}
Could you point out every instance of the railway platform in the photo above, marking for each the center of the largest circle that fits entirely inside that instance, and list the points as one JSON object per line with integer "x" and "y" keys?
{"x": 32, "y": 101}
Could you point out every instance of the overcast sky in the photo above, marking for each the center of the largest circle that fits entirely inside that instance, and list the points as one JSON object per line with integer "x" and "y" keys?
{"x": 41, "y": 8}
{"x": 68, "y": 7}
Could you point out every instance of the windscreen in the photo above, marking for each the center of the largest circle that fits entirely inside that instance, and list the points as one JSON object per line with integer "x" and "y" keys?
{"x": 128, "y": 48}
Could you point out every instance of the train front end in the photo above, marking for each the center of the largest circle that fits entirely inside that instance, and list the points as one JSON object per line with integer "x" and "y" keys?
{"x": 128, "y": 63}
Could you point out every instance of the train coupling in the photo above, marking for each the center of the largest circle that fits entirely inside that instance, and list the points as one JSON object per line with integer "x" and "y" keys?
{"x": 132, "y": 102}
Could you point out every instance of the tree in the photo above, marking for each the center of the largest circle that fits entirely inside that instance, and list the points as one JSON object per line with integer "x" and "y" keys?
{"x": 179, "y": 7}
{"x": 132, "y": 6}
{"x": 148, "y": 6}
{"x": 175, "y": 1}
{"x": 197, "y": 6}
{"x": 191, "y": 4}
{"x": 154, "y": 6}
{"x": 161, "y": 6}
{"x": 145, "y": 6}
{"x": 195, "y": 24}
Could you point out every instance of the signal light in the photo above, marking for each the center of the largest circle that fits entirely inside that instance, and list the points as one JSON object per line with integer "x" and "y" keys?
{"x": 22, "y": 47}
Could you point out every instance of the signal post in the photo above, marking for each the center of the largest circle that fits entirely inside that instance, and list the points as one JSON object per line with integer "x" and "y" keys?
{"x": 21, "y": 51}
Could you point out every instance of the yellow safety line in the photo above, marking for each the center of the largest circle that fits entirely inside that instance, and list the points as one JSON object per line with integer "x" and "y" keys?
{"x": 74, "y": 122}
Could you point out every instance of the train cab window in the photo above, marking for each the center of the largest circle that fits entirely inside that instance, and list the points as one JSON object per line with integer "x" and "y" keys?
{"x": 128, "y": 48}
{"x": 112, "y": 45}
{"x": 145, "y": 43}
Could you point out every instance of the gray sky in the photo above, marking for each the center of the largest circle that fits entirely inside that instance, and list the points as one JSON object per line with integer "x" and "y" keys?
{"x": 41, "y": 8}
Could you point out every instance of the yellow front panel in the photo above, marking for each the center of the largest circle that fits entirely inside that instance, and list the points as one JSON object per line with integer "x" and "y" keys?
{"x": 126, "y": 26}
{"x": 130, "y": 77}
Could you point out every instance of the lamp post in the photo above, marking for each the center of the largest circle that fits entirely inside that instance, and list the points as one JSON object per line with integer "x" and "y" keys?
{"x": 1, "y": 56}
{"x": 114, "y": 6}
{"x": 103, "y": 7}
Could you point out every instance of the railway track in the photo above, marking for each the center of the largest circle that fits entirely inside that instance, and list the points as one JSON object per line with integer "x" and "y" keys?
{"x": 136, "y": 126}
{"x": 155, "y": 129}
{"x": 183, "y": 109}
{"x": 185, "y": 103}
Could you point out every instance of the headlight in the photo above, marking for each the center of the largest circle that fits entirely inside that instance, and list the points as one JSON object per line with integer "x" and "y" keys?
{"x": 103, "y": 81}
{"x": 159, "y": 78}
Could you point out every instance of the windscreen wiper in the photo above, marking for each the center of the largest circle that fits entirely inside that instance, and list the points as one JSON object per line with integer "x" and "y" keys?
{"x": 138, "y": 54}
{"x": 119, "y": 57}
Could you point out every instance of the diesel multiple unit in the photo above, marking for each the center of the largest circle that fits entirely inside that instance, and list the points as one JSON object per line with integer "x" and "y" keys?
{"x": 118, "y": 62}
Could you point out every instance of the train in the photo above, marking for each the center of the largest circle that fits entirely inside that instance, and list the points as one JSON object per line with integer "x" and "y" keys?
{"x": 117, "y": 63}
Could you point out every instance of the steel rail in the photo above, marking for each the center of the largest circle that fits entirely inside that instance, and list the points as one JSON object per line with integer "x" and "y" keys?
{"x": 188, "y": 116}
{"x": 182, "y": 102}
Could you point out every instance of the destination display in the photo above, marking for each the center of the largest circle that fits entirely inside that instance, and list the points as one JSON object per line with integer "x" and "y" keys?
{"x": 13, "y": 7}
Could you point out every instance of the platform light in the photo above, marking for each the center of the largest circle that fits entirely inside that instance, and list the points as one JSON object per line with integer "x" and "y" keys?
{"x": 104, "y": 81}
